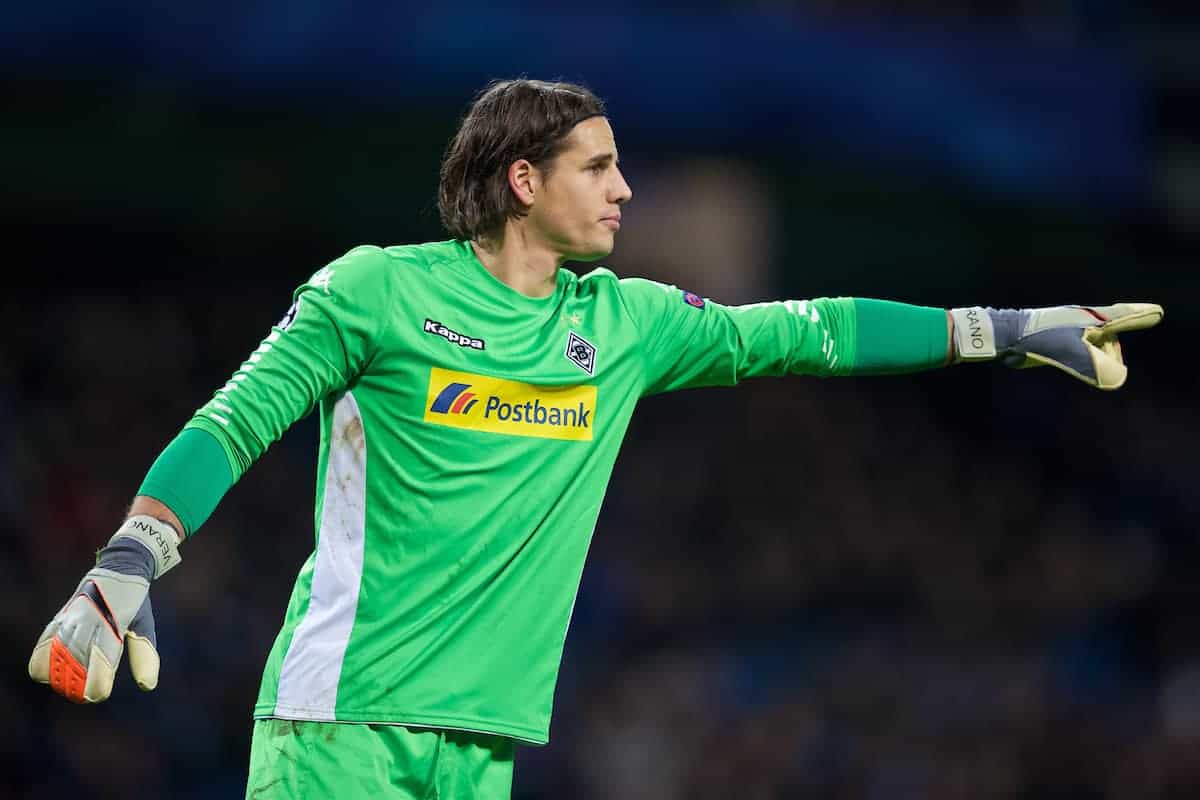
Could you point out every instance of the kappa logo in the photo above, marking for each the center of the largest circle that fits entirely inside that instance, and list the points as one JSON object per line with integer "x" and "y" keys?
{"x": 581, "y": 352}
{"x": 454, "y": 337}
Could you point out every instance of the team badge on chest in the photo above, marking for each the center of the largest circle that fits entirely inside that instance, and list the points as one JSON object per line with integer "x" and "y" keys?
{"x": 581, "y": 352}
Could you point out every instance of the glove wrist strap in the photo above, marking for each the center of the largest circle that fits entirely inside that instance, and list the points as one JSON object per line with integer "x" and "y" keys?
{"x": 974, "y": 334}
{"x": 159, "y": 537}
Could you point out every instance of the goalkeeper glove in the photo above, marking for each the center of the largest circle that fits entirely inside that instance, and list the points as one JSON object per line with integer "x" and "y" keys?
{"x": 1079, "y": 340}
{"x": 78, "y": 652}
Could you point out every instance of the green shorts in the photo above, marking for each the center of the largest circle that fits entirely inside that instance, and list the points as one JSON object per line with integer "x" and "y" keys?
{"x": 315, "y": 760}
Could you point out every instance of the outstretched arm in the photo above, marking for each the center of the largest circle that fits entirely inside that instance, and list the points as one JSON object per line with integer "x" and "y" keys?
{"x": 691, "y": 342}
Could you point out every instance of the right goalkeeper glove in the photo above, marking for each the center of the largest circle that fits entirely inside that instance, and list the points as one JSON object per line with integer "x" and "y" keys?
{"x": 78, "y": 652}
{"x": 1079, "y": 340}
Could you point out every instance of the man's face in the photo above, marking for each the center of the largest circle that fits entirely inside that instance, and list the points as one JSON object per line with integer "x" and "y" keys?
{"x": 576, "y": 208}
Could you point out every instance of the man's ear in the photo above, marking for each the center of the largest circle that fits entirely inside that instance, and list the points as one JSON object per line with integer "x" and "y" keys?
{"x": 523, "y": 180}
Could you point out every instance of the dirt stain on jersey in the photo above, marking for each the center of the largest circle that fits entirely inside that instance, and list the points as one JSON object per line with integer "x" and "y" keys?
{"x": 347, "y": 468}
{"x": 352, "y": 433}
{"x": 283, "y": 727}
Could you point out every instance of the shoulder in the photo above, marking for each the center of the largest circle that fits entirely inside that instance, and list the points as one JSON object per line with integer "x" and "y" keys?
{"x": 600, "y": 281}
{"x": 639, "y": 290}
{"x": 362, "y": 263}
{"x": 641, "y": 298}
{"x": 372, "y": 256}
{"x": 372, "y": 264}
{"x": 424, "y": 256}
{"x": 367, "y": 274}
{"x": 644, "y": 291}
{"x": 600, "y": 275}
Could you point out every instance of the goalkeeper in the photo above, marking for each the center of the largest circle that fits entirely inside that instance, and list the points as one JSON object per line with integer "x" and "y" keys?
{"x": 473, "y": 394}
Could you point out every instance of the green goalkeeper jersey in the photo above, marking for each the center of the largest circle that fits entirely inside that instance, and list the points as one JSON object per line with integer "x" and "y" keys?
{"x": 467, "y": 436}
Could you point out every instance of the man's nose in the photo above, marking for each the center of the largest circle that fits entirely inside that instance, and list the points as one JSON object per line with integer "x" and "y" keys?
{"x": 623, "y": 193}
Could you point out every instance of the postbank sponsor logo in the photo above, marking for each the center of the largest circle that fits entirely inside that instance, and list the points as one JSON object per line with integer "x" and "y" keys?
{"x": 495, "y": 405}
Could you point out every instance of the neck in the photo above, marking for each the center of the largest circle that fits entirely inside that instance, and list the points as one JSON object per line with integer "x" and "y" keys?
{"x": 516, "y": 261}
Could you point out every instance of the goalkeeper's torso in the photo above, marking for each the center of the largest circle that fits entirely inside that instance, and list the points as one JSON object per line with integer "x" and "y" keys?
{"x": 461, "y": 471}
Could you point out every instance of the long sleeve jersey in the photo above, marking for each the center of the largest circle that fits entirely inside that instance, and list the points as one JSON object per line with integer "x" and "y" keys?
{"x": 467, "y": 435}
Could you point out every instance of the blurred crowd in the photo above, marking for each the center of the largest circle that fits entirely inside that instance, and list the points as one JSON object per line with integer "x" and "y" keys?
{"x": 971, "y": 583}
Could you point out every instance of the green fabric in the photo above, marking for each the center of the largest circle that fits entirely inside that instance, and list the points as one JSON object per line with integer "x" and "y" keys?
{"x": 235, "y": 459}
{"x": 432, "y": 598}
{"x": 896, "y": 338}
{"x": 305, "y": 760}
{"x": 190, "y": 477}
{"x": 684, "y": 346}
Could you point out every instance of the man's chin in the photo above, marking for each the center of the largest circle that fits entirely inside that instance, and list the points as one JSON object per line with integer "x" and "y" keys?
{"x": 595, "y": 252}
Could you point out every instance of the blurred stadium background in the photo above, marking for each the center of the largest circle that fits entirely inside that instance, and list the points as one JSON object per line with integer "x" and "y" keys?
{"x": 971, "y": 583}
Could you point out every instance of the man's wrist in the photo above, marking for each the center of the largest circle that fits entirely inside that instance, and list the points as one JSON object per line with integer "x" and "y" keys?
{"x": 152, "y": 507}
{"x": 949, "y": 337}
{"x": 158, "y": 538}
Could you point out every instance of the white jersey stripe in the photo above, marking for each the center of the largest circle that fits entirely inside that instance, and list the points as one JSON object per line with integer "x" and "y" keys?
{"x": 308, "y": 679}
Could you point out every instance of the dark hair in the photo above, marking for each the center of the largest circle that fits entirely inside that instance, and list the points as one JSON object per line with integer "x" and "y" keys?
{"x": 509, "y": 120}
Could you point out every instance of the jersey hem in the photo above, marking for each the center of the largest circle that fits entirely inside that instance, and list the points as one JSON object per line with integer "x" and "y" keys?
{"x": 527, "y": 735}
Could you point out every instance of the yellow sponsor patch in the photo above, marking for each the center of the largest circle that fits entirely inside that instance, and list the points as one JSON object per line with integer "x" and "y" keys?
{"x": 480, "y": 403}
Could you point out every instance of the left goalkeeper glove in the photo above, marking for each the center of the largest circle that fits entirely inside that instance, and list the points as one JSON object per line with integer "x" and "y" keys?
{"x": 78, "y": 652}
{"x": 1079, "y": 340}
